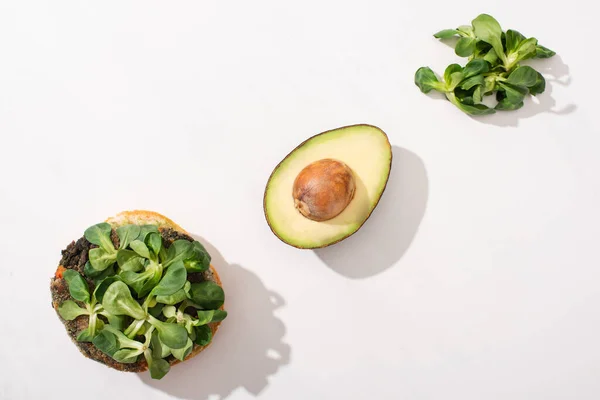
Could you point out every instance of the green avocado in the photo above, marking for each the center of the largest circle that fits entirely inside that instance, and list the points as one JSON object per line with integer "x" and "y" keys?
{"x": 327, "y": 187}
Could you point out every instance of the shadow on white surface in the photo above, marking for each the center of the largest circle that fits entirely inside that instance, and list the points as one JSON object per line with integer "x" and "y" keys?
{"x": 390, "y": 230}
{"x": 247, "y": 349}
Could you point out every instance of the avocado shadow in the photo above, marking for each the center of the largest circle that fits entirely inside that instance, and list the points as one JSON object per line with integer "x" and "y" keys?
{"x": 389, "y": 232}
{"x": 247, "y": 349}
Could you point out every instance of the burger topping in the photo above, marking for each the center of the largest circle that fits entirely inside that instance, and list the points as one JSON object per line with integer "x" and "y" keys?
{"x": 144, "y": 299}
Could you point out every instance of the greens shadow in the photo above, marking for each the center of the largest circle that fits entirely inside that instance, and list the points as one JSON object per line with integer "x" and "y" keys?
{"x": 247, "y": 349}
{"x": 389, "y": 232}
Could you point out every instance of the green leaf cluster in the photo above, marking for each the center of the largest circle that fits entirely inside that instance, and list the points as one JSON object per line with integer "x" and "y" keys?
{"x": 493, "y": 68}
{"x": 143, "y": 303}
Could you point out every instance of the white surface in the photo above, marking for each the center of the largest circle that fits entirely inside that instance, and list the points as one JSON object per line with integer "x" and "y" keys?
{"x": 476, "y": 277}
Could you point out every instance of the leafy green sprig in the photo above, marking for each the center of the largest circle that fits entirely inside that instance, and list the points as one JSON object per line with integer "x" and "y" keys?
{"x": 159, "y": 312}
{"x": 493, "y": 66}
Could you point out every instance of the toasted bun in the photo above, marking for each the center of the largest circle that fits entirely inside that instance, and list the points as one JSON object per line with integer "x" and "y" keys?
{"x": 141, "y": 217}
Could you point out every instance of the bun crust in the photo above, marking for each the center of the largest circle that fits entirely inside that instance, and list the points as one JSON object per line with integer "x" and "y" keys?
{"x": 141, "y": 217}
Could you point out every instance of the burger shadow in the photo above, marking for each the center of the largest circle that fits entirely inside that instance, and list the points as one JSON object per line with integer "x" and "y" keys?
{"x": 247, "y": 349}
{"x": 392, "y": 227}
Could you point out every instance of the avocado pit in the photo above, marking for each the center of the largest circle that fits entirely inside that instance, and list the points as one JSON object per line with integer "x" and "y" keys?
{"x": 323, "y": 189}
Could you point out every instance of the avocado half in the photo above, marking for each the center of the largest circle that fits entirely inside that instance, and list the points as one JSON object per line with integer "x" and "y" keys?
{"x": 365, "y": 149}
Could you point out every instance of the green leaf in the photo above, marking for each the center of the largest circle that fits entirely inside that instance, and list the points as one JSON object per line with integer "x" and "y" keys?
{"x": 193, "y": 254}
{"x": 127, "y": 356}
{"x": 445, "y": 34}
{"x": 124, "y": 341}
{"x": 540, "y": 85}
{"x": 204, "y": 317}
{"x": 466, "y": 30}
{"x": 426, "y": 80}
{"x": 102, "y": 286}
{"x": 176, "y": 297}
{"x": 203, "y": 335}
{"x": 487, "y": 29}
{"x": 90, "y": 272}
{"x": 134, "y": 328}
{"x": 127, "y": 234}
{"x": 99, "y": 235}
{"x": 85, "y": 335}
{"x": 118, "y": 321}
{"x": 169, "y": 311}
{"x": 451, "y": 69}
{"x": 156, "y": 310}
{"x": 140, "y": 248}
{"x": 514, "y": 94}
{"x": 471, "y": 82}
{"x": 453, "y": 75}
{"x": 96, "y": 324}
{"x": 159, "y": 350}
{"x": 178, "y": 251}
{"x": 489, "y": 84}
{"x": 78, "y": 288}
{"x": 506, "y": 105}
{"x": 154, "y": 242}
{"x": 207, "y": 295}
{"x": 182, "y": 353}
{"x": 478, "y": 94}
{"x": 142, "y": 283}
{"x": 525, "y": 50}
{"x": 69, "y": 310}
{"x": 208, "y": 316}
{"x": 491, "y": 57}
{"x": 173, "y": 280}
{"x": 97, "y": 276}
{"x": 172, "y": 335}
{"x": 163, "y": 254}
{"x": 129, "y": 260}
{"x": 481, "y": 49}
{"x": 513, "y": 40}
{"x": 106, "y": 342}
{"x": 199, "y": 260}
{"x": 219, "y": 315}
{"x": 465, "y": 46}
{"x": 100, "y": 259}
{"x": 543, "y": 52}
{"x": 523, "y": 76}
{"x": 471, "y": 109}
{"x": 145, "y": 230}
{"x": 157, "y": 366}
{"x": 118, "y": 301}
{"x": 136, "y": 280}
{"x": 475, "y": 67}
{"x": 152, "y": 282}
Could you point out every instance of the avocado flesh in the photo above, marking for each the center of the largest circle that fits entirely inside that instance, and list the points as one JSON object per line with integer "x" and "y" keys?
{"x": 365, "y": 149}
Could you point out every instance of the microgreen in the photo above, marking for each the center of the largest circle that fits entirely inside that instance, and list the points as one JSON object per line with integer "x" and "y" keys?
{"x": 105, "y": 254}
{"x": 494, "y": 66}
{"x": 69, "y": 310}
{"x": 142, "y": 300}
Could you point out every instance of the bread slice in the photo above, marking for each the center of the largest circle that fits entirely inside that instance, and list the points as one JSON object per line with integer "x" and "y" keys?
{"x": 138, "y": 217}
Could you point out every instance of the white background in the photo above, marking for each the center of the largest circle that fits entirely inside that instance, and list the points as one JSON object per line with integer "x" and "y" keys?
{"x": 477, "y": 277}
